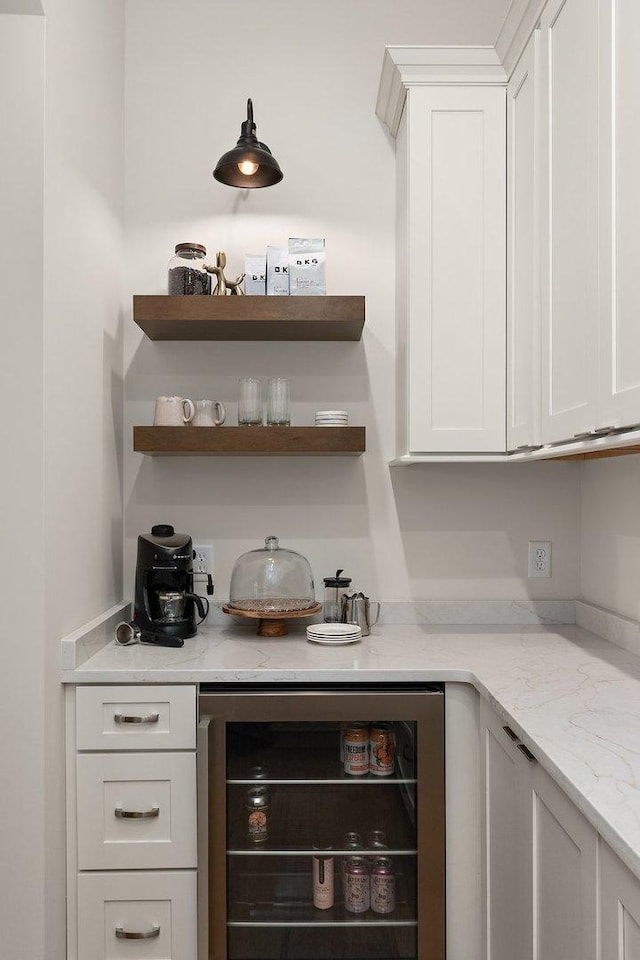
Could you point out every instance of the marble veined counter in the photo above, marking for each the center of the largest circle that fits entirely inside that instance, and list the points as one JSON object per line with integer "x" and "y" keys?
{"x": 572, "y": 697}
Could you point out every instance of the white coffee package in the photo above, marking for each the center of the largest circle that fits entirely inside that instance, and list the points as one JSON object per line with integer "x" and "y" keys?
{"x": 277, "y": 272}
{"x": 255, "y": 274}
{"x": 306, "y": 268}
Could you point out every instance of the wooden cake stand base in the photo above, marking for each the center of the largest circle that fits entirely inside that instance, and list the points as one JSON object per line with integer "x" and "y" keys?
{"x": 272, "y": 624}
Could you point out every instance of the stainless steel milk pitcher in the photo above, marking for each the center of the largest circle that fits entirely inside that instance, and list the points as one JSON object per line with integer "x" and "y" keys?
{"x": 358, "y": 609}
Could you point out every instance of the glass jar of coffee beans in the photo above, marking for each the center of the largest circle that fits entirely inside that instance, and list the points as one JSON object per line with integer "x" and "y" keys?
{"x": 187, "y": 273}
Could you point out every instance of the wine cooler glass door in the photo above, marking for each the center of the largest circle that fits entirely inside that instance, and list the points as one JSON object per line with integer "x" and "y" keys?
{"x": 331, "y": 845}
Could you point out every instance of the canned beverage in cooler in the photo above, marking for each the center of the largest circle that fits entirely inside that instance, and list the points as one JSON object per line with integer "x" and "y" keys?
{"x": 351, "y": 841}
{"x": 382, "y": 753}
{"x": 357, "y": 895}
{"x": 383, "y": 886}
{"x": 356, "y": 749}
{"x": 257, "y": 814}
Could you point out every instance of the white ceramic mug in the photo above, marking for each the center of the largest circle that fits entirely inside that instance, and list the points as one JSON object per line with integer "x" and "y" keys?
{"x": 209, "y": 413}
{"x": 173, "y": 412}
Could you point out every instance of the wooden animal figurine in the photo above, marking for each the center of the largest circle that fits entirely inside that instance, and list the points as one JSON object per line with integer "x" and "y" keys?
{"x": 224, "y": 286}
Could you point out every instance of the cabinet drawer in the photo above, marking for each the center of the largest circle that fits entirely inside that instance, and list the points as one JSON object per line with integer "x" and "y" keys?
{"x": 161, "y": 907}
{"x": 136, "y": 718}
{"x": 136, "y": 811}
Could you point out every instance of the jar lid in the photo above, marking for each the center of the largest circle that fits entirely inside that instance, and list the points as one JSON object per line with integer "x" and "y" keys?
{"x": 337, "y": 581}
{"x": 192, "y": 247}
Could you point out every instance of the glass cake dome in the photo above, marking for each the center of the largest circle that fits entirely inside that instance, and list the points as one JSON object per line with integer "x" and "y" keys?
{"x": 272, "y": 579}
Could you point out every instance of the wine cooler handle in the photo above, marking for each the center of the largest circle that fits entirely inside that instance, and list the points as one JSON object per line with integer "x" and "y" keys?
{"x": 204, "y": 742}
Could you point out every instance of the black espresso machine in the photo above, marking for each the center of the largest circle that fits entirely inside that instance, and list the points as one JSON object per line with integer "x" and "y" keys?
{"x": 165, "y": 605}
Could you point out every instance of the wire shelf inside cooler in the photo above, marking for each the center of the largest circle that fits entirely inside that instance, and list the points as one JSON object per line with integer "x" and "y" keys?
{"x": 278, "y": 891}
{"x": 353, "y": 942}
{"x": 305, "y": 752}
{"x": 300, "y": 816}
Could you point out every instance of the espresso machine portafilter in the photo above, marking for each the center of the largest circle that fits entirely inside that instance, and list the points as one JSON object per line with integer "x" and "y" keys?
{"x": 165, "y": 604}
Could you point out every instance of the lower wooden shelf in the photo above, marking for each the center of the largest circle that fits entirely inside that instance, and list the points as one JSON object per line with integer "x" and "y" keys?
{"x": 249, "y": 441}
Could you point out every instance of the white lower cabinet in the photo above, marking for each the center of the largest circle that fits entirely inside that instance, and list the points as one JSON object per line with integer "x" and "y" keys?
{"x": 619, "y": 909}
{"x": 506, "y": 867}
{"x": 541, "y": 876}
{"x": 562, "y": 921}
{"x": 136, "y": 914}
{"x": 132, "y": 823}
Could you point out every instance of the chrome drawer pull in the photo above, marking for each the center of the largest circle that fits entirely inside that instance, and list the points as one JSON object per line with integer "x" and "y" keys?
{"x": 137, "y": 814}
{"x": 525, "y": 750}
{"x": 123, "y": 718}
{"x": 509, "y": 732}
{"x": 122, "y": 934}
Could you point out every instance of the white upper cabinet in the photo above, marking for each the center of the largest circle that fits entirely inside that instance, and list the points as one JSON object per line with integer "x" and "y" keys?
{"x": 523, "y": 235}
{"x": 569, "y": 181}
{"x": 447, "y": 109}
{"x": 619, "y": 233}
{"x": 454, "y": 177}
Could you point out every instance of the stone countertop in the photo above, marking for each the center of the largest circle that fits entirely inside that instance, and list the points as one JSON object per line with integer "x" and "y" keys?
{"x": 573, "y": 698}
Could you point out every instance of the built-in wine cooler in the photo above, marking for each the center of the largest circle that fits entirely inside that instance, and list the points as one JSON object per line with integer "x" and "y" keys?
{"x": 325, "y": 824}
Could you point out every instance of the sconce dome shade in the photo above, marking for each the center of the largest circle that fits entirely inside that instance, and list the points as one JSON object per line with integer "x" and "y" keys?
{"x": 268, "y": 172}
{"x": 250, "y": 151}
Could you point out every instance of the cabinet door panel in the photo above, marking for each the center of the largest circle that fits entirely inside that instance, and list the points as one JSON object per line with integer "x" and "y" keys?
{"x": 456, "y": 269}
{"x": 620, "y": 908}
{"x": 569, "y": 225}
{"x": 564, "y": 902}
{"x": 619, "y": 138}
{"x": 505, "y": 850}
{"x": 523, "y": 293}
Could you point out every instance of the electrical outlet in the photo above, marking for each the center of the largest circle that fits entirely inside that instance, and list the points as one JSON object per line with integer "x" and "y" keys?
{"x": 539, "y": 558}
{"x": 203, "y": 562}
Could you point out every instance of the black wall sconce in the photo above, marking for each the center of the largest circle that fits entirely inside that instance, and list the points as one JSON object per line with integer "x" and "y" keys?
{"x": 250, "y": 164}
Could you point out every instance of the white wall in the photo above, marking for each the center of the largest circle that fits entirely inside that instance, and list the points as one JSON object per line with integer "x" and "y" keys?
{"x": 313, "y": 72}
{"x": 61, "y": 186}
{"x": 610, "y": 534}
{"x": 22, "y": 788}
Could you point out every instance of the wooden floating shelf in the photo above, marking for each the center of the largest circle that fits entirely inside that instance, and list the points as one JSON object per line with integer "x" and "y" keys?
{"x": 249, "y": 441}
{"x": 249, "y": 318}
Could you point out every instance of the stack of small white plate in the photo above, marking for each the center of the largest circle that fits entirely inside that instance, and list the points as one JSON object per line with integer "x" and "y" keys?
{"x": 334, "y": 634}
{"x": 332, "y": 418}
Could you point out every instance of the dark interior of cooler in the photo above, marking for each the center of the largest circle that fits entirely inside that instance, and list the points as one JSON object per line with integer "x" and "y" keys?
{"x": 312, "y": 803}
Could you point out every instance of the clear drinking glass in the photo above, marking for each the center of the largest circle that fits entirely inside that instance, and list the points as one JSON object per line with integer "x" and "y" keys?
{"x": 250, "y": 405}
{"x": 278, "y": 414}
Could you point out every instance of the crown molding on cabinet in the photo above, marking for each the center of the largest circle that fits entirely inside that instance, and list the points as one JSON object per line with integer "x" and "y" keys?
{"x": 518, "y": 25}
{"x": 405, "y": 67}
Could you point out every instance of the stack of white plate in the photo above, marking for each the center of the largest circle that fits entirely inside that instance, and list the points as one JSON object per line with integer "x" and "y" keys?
{"x": 332, "y": 418}
{"x": 334, "y": 634}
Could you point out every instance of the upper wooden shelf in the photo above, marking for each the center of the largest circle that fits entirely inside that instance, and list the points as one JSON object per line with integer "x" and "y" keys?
{"x": 249, "y": 318}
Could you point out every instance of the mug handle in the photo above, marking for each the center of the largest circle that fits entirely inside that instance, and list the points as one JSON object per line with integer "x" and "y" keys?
{"x": 372, "y": 623}
{"x": 188, "y": 405}
{"x": 221, "y": 413}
